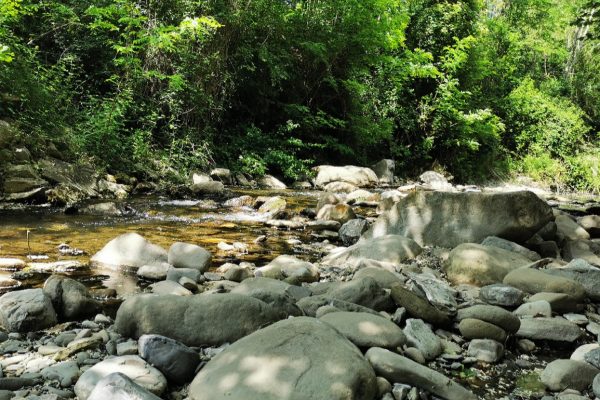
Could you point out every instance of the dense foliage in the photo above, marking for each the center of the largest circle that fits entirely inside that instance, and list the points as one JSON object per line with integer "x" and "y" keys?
{"x": 160, "y": 87}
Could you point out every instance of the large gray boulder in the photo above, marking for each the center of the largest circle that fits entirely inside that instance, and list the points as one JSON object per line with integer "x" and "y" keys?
{"x": 210, "y": 319}
{"x": 448, "y": 219}
{"x": 568, "y": 374}
{"x": 481, "y": 265}
{"x": 391, "y": 248}
{"x": 296, "y": 359}
{"x": 71, "y": 299}
{"x": 138, "y": 370}
{"x": 357, "y": 176}
{"x": 536, "y": 281}
{"x": 129, "y": 251}
{"x": 175, "y": 360}
{"x": 366, "y": 330}
{"x": 187, "y": 255}
{"x": 385, "y": 170}
{"x": 26, "y": 310}
{"x": 399, "y": 369}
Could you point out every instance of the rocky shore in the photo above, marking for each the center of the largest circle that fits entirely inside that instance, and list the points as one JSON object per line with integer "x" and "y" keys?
{"x": 449, "y": 293}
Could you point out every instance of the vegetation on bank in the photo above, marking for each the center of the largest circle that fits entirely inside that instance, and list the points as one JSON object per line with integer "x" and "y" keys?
{"x": 153, "y": 88}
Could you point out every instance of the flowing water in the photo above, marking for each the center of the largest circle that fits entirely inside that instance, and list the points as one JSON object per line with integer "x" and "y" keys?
{"x": 160, "y": 220}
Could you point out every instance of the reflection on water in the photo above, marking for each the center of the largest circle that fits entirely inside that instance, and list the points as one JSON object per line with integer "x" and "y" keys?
{"x": 160, "y": 220}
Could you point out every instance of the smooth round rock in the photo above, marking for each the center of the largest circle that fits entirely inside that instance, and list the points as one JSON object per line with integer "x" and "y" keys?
{"x": 492, "y": 314}
{"x": 26, "y": 310}
{"x": 486, "y": 350}
{"x": 177, "y": 361}
{"x": 366, "y": 330}
{"x": 502, "y": 295}
{"x": 568, "y": 374}
{"x": 477, "y": 329}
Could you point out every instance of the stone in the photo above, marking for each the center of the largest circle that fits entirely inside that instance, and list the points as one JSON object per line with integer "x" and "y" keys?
{"x": 535, "y": 281}
{"x": 384, "y": 170}
{"x": 135, "y": 368}
{"x": 435, "y": 180}
{"x": 570, "y": 229}
{"x": 526, "y": 345}
{"x": 366, "y": 330}
{"x": 154, "y": 272}
{"x": 592, "y": 357}
{"x": 437, "y": 291}
{"x": 289, "y": 268}
{"x": 486, "y": 350}
{"x": 274, "y": 206}
{"x": 417, "y": 306}
{"x": 384, "y": 278}
{"x": 568, "y": 374}
{"x": 352, "y": 230}
{"x": 70, "y": 299}
{"x": 399, "y": 369}
{"x": 540, "y": 308}
{"x": 477, "y": 329}
{"x": 556, "y": 329}
{"x": 339, "y": 187}
{"x": 175, "y": 360}
{"x": 129, "y": 251}
{"x": 392, "y": 249}
{"x": 420, "y": 336}
{"x": 448, "y": 219}
{"x": 270, "y": 182}
{"x": 127, "y": 348}
{"x": 206, "y": 319}
{"x": 583, "y": 273}
{"x": 186, "y": 255}
{"x": 415, "y": 354}
{"x": 66, "y": 373}
{"x": 596, "y": 385}
{"x": 26, "y": 310}
{"x": 11, "y": 264}
{"x": 591, "y": 223}
{"x": 502, "y": 295}
{"x": 559, "y": 302}
{"x": 298, "y": 358}
{"x": 510, "y": 246}
{"x": 117, "y": 386}
{"x": 492, "y": 314}
{"x": 238, "y": 273}
{"x": 208, "y": 188}
{"x": 363, "y": 197}
{"x": 169, "y": 288}
{"x": 365, "y": 292}
{"x": 175, "y": 274}
{"x": 481, "y": 265}
{"x": 357, "y": 176}
{"x": 581, "y": 352}
{"x": 587, "y": 250}
{"x": 221, "y": 174}
{"x": 341, "y": 213}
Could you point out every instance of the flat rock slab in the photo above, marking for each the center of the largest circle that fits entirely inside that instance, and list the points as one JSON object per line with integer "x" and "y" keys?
{"x": 556, "y": 329}
{"x": 138, "y": 370}
{"x": 294, "y": 359}
{"x": 399, "y": 369}
{"x": 206, "y": 319}
{"x": 117, "y": 386}
{"x": 448, "y": 219}
{"x": 366, "y": 330}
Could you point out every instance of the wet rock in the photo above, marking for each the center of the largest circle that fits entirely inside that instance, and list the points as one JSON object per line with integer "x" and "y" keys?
{"x": 117, "y": 386}
{"x": 274, "y": 206}
{"x": 502, "y": 295}
{"x": 307, "y": 356}
{"x": 420, "y": 336}
{"x": 481, "y": 265}
{"x": 175, "y": 360}
{"x": 418, "y": 306}
{"x": 448, "y": 219}
{"x": 510, "y": 246}
{"x": 270, "y": 182}
{"x": 399, "y": 369}
{"x": 26, "y": 310}
{"x": 129, "y": 250}
{"x": 384, "y": 170}
{"x": 535, "y": 281}
{"x": 486, "y": 350}
{"x": 135, "y": 368}
{"x": 186, "y": 255}
{"x": 289, "y": 268}
{"x": 70, "y": 299}
{"x": 556, "y": 329}
{"x": 351, "y": 231}
{"x": 366, "y": 330}
{"x": 357, "y": 176}
{"x": 154, "y": 272}
{"x": 198, "y": 320}
{"x": 492, "y": 314}
{"x": 570, "y": 229}
{"x": 472, "y": 328}
{"x": 568, "y": 374}
{"x": 391, "y": 248}
{"x": 102, "y": 209}
{"x": 208, "y": 188}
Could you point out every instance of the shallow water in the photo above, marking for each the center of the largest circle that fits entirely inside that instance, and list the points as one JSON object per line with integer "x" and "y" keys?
{"x": 162, "y": 221}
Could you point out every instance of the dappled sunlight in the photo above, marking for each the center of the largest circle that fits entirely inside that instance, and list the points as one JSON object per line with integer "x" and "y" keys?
{"x": 336, "y": 368}
{"x": 370, "y": 328}
{"x": 229, "y": 381}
